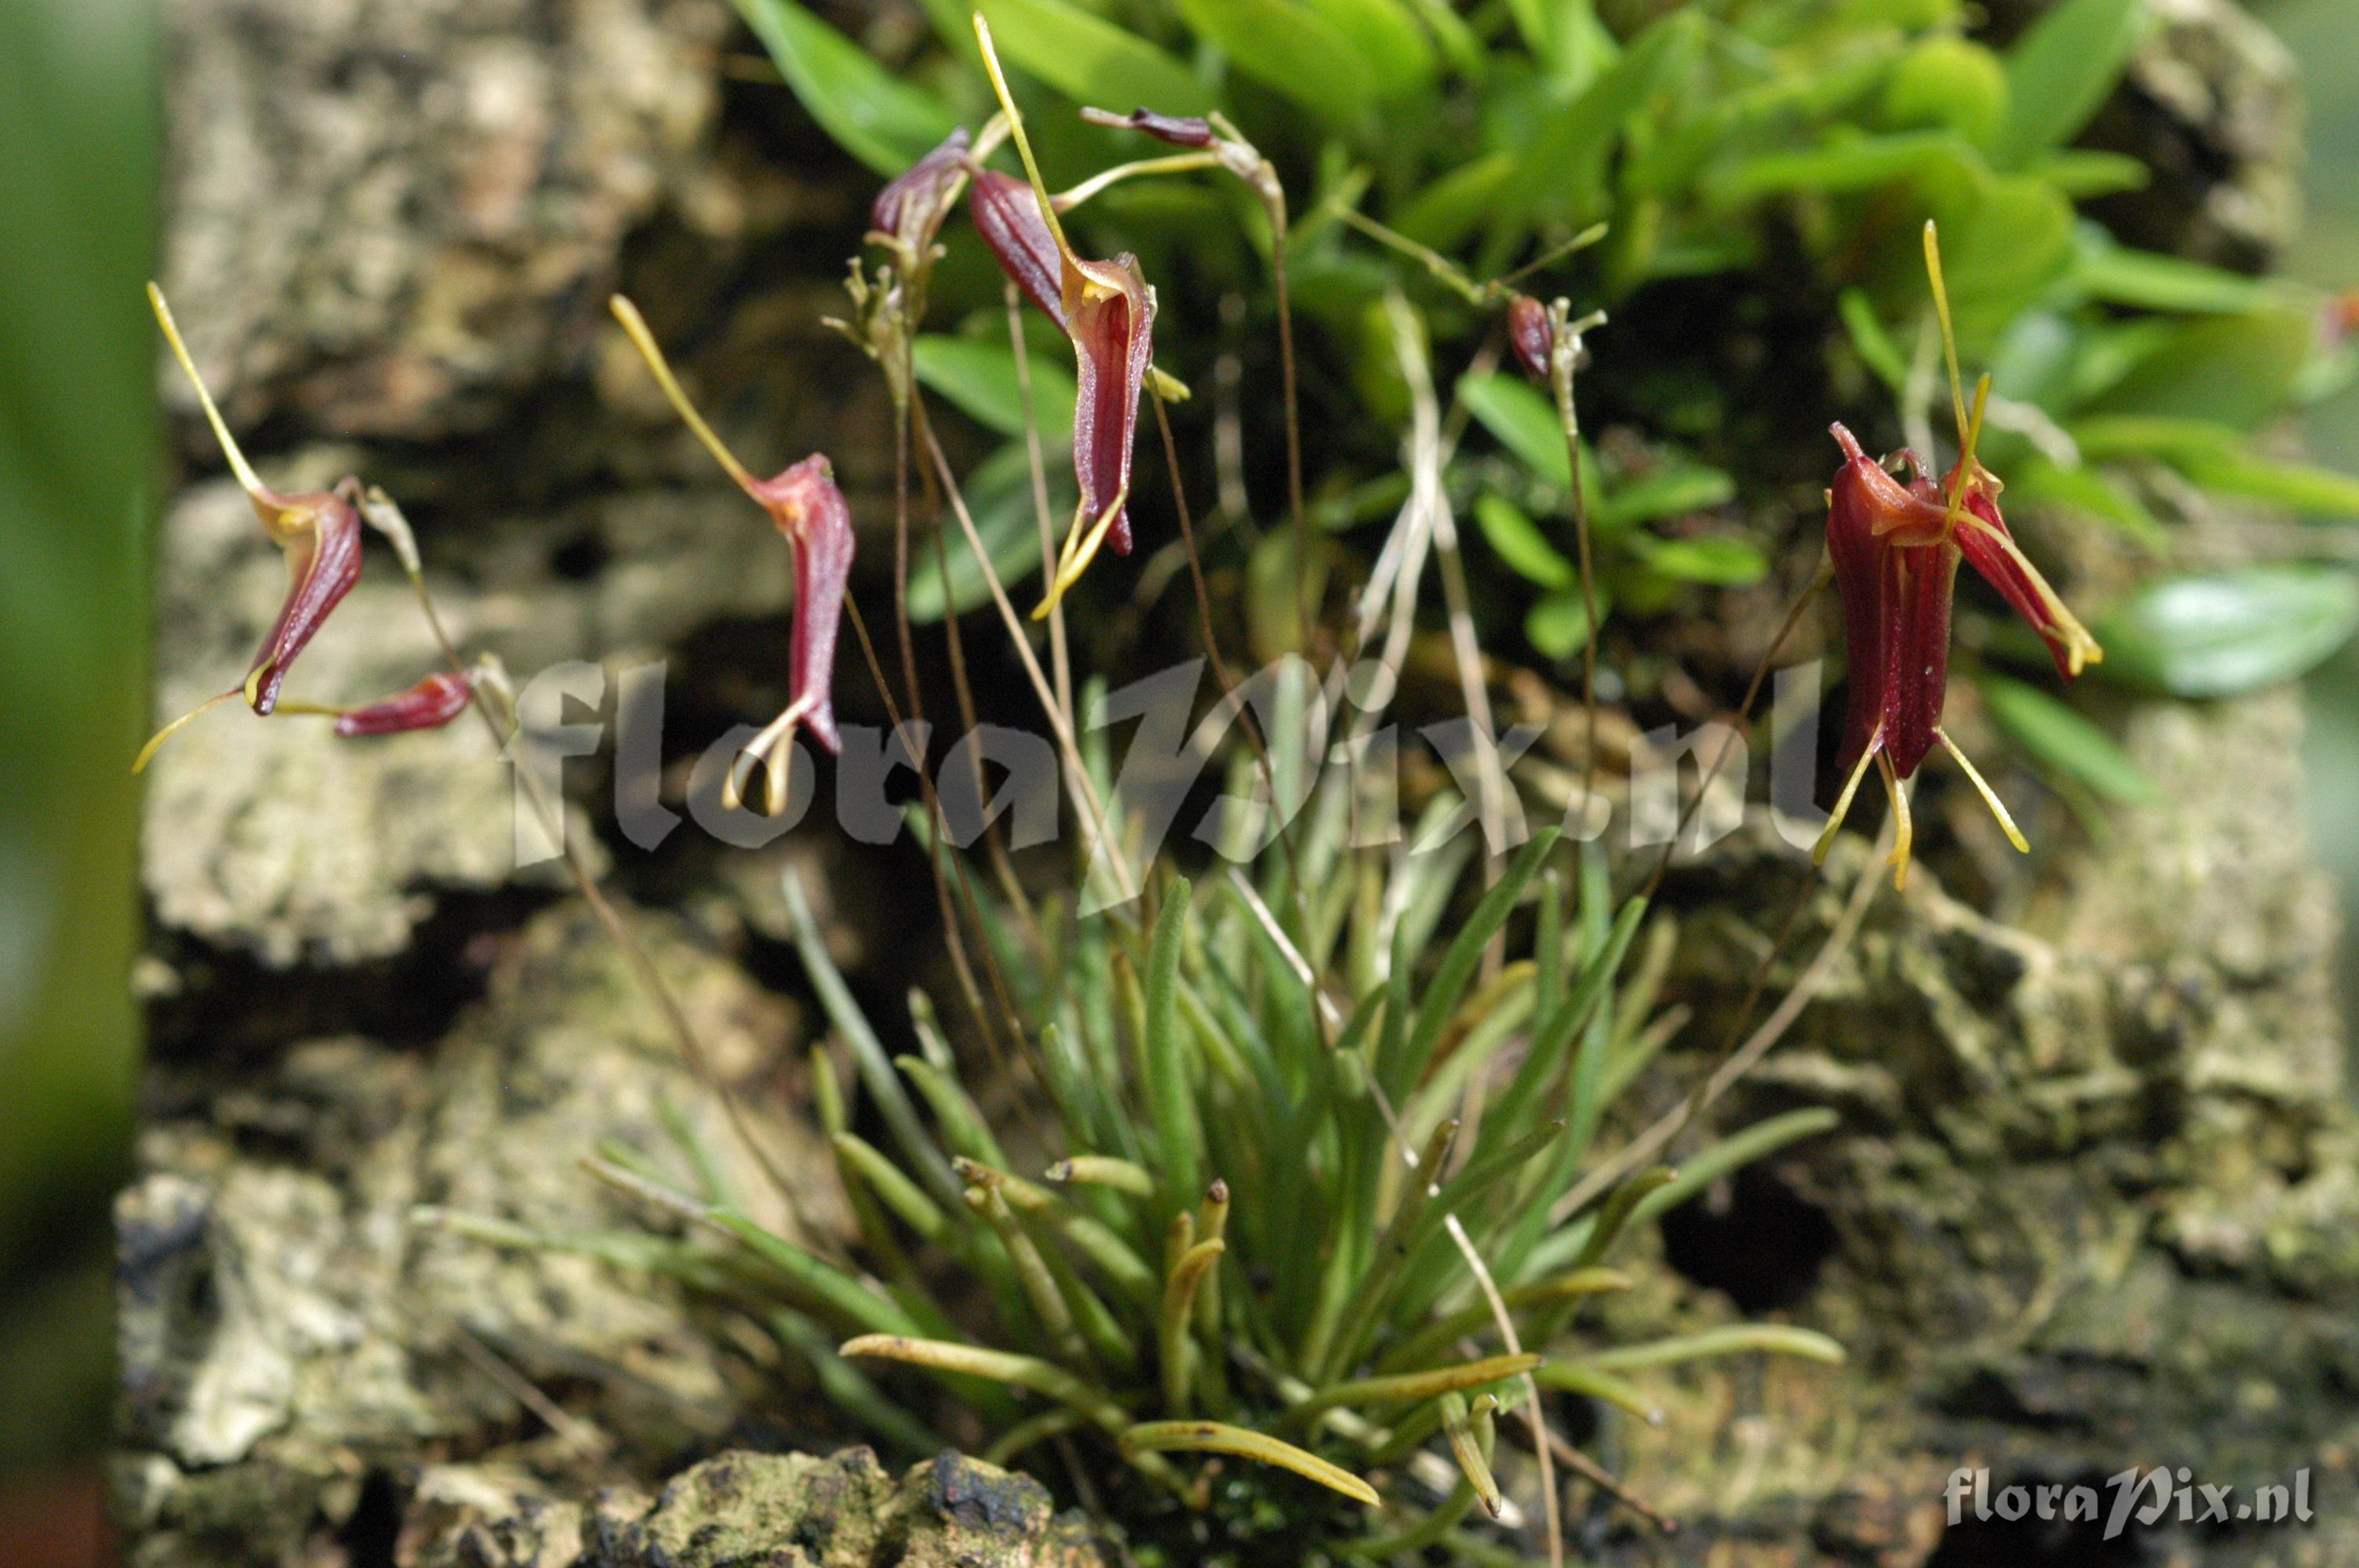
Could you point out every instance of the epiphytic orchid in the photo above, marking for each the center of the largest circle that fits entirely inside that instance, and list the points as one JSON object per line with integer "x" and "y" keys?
{"x": 808, "y": 509}
{"x": 1108, "y": 312}
{"x": 1895, "y": 550}
{"x": 318, "y": 531}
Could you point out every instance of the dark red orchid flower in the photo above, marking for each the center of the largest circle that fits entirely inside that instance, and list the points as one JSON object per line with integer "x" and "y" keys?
{"x": 1895, "y": 550}
{"x": 1107, "y": 311}
{"x": 318, "y": 531}
{"x": 808, "y": 509}
{"x": 430, "y": 705}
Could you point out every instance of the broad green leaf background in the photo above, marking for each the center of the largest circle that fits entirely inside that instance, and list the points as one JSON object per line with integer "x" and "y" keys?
{"x": 78, "y": 459}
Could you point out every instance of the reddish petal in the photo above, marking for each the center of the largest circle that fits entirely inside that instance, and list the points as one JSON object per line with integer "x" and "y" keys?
{"x": 1180, "y": 131}
{"x": 2003, "y": 572}
{"x": 911, "y": 208}
{"x": 1008, "y": 216}
{"x": 1895, "y": 606}
{"x": 430, "y": 704}
{"x": 321, "y": 534}
{"x": 1112, "y": 321}
{"x": 811, "y": 512}
{"x": 1919, "y": 581}
{"x": 1858, "y": 553}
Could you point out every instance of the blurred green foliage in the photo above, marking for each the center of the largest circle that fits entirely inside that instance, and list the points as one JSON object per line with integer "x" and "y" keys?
{"x": 78, "y": 136}
{"x": 2326, "y": 254}
{"x": 1788, "y": 151}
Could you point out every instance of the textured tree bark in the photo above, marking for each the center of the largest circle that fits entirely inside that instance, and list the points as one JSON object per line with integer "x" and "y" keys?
{"x": 2092, "y": 1200}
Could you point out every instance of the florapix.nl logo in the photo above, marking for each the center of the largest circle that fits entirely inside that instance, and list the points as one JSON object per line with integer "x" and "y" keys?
{"x": 1162, "y": 736}
{"x": 2149, "y": 1495}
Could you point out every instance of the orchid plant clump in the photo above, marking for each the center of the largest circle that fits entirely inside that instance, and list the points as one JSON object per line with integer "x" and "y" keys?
{"x": 1298, "y": 1197}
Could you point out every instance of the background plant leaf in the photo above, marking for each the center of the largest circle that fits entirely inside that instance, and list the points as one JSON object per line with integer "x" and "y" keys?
{"x": 880, "y": 119}
{"x": 2220, "y": 635}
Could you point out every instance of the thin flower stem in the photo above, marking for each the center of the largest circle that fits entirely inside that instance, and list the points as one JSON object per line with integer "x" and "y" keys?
{"x": 1177, "y": 163}
{"x": 1794, "y": 613}
{"x": 1079, "y": 779}
{"x": 1433, "y": 261}
{"x": 1246, "y": 719}
{"x": 1011, "y": 886}
{"x": 1286, "y": 372}
{"x": 382, "y": 512}
{"x": 1058, "y": 659}
{"x": 1425, "y": 468}
{"x": 1641, "y": 1150}
{"x": 1563, "y": 359}
{"x": 960, "y": 963}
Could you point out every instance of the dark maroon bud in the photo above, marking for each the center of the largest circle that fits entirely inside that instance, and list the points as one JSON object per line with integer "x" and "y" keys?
{"x": 912, "y": 207}
{"x": 1180, "y": 131}
{"x": 1532, "y": 335}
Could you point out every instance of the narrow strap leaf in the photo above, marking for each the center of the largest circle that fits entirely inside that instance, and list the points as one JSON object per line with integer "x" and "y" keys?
{"x": 1579, "y": 1378}
{"x": 1173, "y": 1343}
{"x": 1219, "y": 1437}
{"x": 875, "y": 1068}
{"x": 1736, "y": 1339}
{"x": 1405, "y": 1388}
{"x": 1464, "y": 953}
{"x": 1168, "y": 1102}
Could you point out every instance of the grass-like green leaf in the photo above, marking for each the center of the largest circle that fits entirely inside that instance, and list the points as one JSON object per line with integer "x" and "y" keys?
{"x": 1673, "y": 488}
{"x": 1559, "y": 624}
{"x": 1170, "y": 1103}
{"x": 1737, "y": 1339}
{"x": 2062, "y": 739}
{"x": 2119, "y": 275}
{"x": 1218, "y": 1437}
{"x": 1560, "y": 167}
{"x": 1523, "y": 421}
{"x": 1400, "y": 55}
